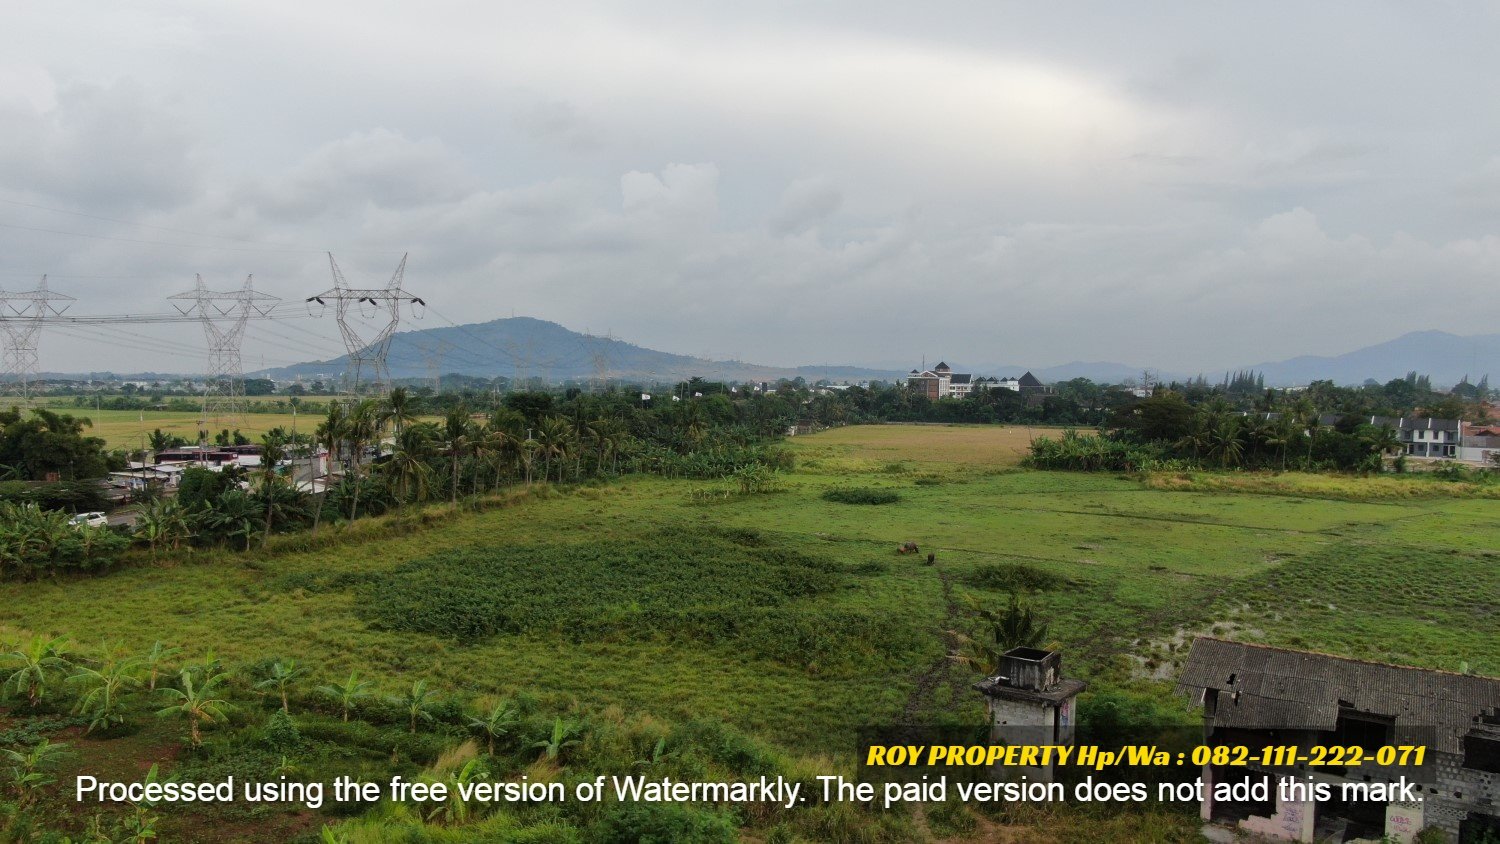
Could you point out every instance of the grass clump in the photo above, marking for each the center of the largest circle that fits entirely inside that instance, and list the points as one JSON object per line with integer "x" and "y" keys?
{"x": 861, "y": 495}
{"x": 1013, "y": 577}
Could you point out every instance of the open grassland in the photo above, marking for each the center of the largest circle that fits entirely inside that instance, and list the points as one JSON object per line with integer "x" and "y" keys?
{"x": 936, "y": 446}
{"x": 125, "y": 428}
{"x": 790, "y": 615}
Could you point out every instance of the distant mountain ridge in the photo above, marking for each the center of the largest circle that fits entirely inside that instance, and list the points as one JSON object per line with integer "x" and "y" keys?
{"x": 522, "y": 347}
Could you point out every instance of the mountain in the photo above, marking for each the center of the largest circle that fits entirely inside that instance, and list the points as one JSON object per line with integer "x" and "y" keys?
{"x": 523, "y": 347}
{"x": 1447, "y": 358}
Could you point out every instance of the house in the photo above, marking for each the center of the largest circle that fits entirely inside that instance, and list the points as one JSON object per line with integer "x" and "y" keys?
{"x": 1262, "y": 697}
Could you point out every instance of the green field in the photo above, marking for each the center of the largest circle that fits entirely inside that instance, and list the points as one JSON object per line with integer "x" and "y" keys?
{"x": 792, "y": 616}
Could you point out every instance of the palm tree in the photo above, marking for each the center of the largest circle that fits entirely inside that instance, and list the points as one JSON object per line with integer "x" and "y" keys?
{"x": 154, "y": 660}
{"x": 417, "y": 702}
{"x": 556, "y": 439}
{"x": 408, "y": 469}
{"x": 284, "y": 673}
{"x": 458, "y": 436}
{"x": 1226, "y": 440}
{"x": 196, "y": 701}
{"x": 1282, "y": 433}
{"x": 398, "y": 410}
{"x": 329, "y": 434}
{"x": 502, "y": 718}
{"x": 1307, "y": 418}
{"x": 1197, "y": 435}
{"x": 1016, "y": 627}
{"x": 361, "y": 427}
{"x": 562, "y": 736}
{"x": 105, "y": 684}
{"x": 348, "y": 692}
{"x": 34, "y": 666}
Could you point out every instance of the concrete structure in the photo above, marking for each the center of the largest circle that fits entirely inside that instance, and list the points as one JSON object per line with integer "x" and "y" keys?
{"x": 1479, "y": 443}
{"x": 1029, "y": 698}
{"x": 1258, "y": 696}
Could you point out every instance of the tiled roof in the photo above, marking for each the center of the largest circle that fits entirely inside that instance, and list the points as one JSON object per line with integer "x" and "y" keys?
{"x": 1271, "y": 688}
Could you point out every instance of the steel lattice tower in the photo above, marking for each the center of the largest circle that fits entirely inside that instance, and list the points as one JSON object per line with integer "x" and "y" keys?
{"x": 224, "y": 315}
{"x": 367, "y": 356}
{"x": 22, "y": 314}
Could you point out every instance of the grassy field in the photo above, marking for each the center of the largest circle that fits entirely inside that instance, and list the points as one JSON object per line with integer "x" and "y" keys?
{"x": 125, "y": 428}
{"x": 792, "y": 616}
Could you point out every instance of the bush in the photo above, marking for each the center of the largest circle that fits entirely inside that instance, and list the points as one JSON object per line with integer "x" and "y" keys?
{"x": 35, "y": 542}
{"x": 1013, "y": 577}
{"x": 861, "y": 495}
{"x": 663, "y": 823}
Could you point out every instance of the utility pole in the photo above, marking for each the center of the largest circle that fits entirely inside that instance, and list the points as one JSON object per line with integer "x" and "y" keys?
{"x": 368, "y": 355}
{"x": 224, "y": 314}
{"x": 22, "y": 314}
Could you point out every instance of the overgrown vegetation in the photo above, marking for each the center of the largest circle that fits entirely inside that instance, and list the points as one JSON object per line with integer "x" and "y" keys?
{"x": 861, "y": 495}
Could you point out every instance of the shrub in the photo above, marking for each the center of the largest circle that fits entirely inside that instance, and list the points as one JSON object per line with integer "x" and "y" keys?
{"x": 861, "y": 495}
{"x": 663, "y": 823}
{"x": 1013, "y": 577}
{"x": 36, "y": 542}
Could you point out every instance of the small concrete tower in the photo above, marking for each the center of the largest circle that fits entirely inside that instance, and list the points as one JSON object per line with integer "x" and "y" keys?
{"x": 1030, "y": 702}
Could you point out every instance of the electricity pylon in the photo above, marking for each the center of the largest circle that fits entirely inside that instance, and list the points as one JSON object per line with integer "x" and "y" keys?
{"x": 22, "y": 314}
{"x": 223, "y": 315}
{"x": 367, "y": 355}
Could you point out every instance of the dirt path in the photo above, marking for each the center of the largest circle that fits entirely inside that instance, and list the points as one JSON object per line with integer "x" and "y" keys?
{"x": 940, "y": 670}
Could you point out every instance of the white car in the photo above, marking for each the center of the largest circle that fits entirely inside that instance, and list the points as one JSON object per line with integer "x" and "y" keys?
{"x": 95, "y": 519}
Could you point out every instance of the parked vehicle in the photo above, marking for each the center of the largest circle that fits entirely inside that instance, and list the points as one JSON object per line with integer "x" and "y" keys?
{"x": 94, "y": 519}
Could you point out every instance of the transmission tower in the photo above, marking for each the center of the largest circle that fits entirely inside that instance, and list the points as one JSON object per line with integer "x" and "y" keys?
{"x": 23, "y": 313}
{"x": 368, "y": 355}
{"x": 223, "y": 315}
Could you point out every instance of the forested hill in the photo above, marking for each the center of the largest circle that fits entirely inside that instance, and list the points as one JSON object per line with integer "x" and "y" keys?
{"x": 523, "y": 347}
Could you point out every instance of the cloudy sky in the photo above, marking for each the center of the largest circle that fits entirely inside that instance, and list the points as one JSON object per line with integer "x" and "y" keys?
{"x": 1187, "y": 186}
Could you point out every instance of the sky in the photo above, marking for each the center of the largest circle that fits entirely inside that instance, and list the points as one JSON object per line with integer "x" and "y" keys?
{"x": 1183, "y": 186}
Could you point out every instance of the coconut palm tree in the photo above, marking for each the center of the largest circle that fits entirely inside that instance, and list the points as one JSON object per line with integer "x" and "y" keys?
{"x": 34, "y": 665}
{"x": 556, "y": 438}
{"x": 398, "y": 411}
{"x": 284, "y": 673}
{"x": 361, "y": 428}
{"x": 1016, "y": 627}
{"x": 196, "y": 701}
{"x": 1226, "y": 439}
{"x": 348, "y": 692}
{"x": 458, "y": 437}
{"x": 408, "y": 469}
